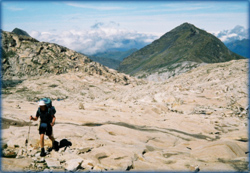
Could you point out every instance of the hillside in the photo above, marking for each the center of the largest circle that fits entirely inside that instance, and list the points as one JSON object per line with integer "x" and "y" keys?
{"x": 184, "y": 44}
{"x": 24, "y": 57}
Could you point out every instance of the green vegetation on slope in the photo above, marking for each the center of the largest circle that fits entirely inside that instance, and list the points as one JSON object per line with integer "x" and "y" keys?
{"x": 184, "y": 43}
{"x": 20, "y": 32}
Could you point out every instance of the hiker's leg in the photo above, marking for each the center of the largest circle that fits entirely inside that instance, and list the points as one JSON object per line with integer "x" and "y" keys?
{"x": 49, "y": 133}
{"x": 42, "y": 145}
{"x": 42, "y": 140}
{"x": 51, "y": 137}
{"x": 54, "y": 143}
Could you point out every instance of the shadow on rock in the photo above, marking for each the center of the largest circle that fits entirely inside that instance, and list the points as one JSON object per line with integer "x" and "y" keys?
{"x": 63, "y": 143}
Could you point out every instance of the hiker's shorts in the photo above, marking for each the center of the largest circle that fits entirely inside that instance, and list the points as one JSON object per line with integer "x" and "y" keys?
{"x": 45, "y": 129}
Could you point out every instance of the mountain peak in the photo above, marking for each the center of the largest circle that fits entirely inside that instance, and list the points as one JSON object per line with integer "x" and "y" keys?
{"x": 20, "y": 32}
{"x": 184, "y": 26}
{"x": 185, "y": 43}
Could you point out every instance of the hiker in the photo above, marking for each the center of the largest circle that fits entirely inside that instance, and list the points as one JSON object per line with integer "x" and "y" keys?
{"x": 47, "y": 121}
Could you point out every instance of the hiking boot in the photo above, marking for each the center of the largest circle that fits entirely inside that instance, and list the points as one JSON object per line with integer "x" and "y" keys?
{"x": 49, "y": 149}
{"x": 43, "y": 153}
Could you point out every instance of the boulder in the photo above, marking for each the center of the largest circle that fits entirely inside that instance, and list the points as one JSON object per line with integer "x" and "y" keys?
{"x": 34, "y": 153}
{"x": 53, "y": 163}
{"x": 194, "y": 168}
{"x": 220, "y": 149}
{"x": 81, "y": 106}
{"x": 88, "y": 164}
{"x": 65, "y": 157}
{"x": 20, "y": 154}
{"x": 73, "y": 164}
{"x": 4, "y": 145}
{"x": 99, "y": 168}
{"x": 39, "y": 159}
{"x": 84, "y": 150}
{"x": 9, "y": 153}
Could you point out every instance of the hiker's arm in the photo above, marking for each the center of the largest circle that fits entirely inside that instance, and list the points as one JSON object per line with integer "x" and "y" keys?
{"x": 32, "y": 118}
{"x": 35, "y": 118}
{"x": 53, "y": 120}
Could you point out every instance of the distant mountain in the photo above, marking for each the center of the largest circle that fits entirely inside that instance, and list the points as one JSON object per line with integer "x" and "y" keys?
{"x": 111, "y": 63}
{"x": 240, "y": 47}
{"x": 176, "y": 49}
{"x": 20, "y": 32}
{"x": 116, "y": 55}
{"x": 111, "y": 59}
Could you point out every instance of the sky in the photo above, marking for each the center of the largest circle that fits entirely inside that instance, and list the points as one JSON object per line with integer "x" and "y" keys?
{"x": 94, "y": 26}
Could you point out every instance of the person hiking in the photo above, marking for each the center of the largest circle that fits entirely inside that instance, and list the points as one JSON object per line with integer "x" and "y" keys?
{"x": 47, "y": 121}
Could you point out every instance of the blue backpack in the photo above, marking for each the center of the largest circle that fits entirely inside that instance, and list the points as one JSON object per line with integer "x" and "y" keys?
{"x": 48, "y": 102}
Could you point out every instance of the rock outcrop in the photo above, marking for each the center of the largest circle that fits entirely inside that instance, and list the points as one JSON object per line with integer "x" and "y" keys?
{"x": 24, "y": 57}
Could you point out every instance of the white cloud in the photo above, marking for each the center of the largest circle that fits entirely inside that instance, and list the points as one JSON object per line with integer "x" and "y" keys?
{"x": 237, "y": 33}
{"x": 35, "y": 34}
{"x": 101, "y": 37}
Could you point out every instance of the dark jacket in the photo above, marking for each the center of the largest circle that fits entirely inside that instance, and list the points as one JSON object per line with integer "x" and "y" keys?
{"x": 47, "y": 115}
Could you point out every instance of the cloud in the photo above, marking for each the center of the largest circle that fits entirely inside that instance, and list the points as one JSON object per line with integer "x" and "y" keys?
{"x": 104, "y": 36}
{"x": 237, "y": 33}
{"x": 99, "y": 25}
{"x": 101, "y": 37}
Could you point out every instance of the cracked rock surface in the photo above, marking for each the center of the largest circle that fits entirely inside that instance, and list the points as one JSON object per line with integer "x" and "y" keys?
{"x": 196, "y": 121}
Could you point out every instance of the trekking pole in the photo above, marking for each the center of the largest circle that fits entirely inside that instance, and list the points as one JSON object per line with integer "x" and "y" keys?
{"x": 26, "y": 142}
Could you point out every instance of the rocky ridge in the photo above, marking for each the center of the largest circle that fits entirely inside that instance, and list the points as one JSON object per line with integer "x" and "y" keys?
{"x": 173, "y": 70}
{"x": 23, "y": 54}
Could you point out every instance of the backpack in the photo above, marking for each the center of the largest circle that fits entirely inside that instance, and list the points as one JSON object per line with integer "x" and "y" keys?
{"x": 48, "y": 102}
